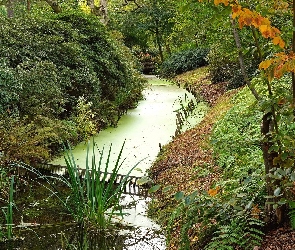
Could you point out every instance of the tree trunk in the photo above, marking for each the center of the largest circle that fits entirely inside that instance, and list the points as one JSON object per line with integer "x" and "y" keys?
{"x": 104, "y": 11}
{"x": 10, "y": 8}
{"x": 274, "y": 216}
{"x": 241, "y": 60}
{"x": 158, "y": 41}
{"x": 54, "y": 5}
{"x": 28, "y": 6}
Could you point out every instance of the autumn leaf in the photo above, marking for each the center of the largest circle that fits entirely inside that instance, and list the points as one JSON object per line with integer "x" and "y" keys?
{"x": 255, "y": 212}
{"x": 225, "y": 2}
{"x": 214, "y": 191}
{"x": 265, "y": 64}
{"x": 265, "y": 30}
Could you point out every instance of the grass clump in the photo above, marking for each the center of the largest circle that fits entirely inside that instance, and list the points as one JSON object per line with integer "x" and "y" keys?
{"x": 96, "y": 197}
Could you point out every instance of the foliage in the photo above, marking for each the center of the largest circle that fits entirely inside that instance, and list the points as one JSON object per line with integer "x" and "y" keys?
{"x": 73, "y": 54}
{"x": 238, "y": 197}
{"x": 184, "y": 61}
{"x": 149, "y": 61}
{"x": 146, "y": 25}
{"x": 8, "y": 212}
{"x": 235, "y": 201}
{"x": 86, "y": 127}
{"x": 33, "y": 141}
{"x": 46, "y": 65}
{"x": 40, "y": 92}
{"x": 224, "y": 67}
{"x": 243, "y": 232}
{"x": 9, "y": 89}
{"x": 95, "y": 198}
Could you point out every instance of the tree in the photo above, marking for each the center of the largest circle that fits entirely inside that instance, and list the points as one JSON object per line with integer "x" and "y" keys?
{"x": 150, "y": 20}
{"x": 276, "y": 154}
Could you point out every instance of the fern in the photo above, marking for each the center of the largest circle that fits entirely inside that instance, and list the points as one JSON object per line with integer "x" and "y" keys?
{"x": 241, "y": 232}
{"x": 292, "y": 213}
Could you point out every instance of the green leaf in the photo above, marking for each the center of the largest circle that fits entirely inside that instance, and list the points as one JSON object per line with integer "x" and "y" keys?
{"x": 240, "y": 195}
{"x": 143, "y": 180}
{"x": 179, "y": 195}
{"x": 249, "y": 205}
{"x": 284, "y": 156}
{"x": 154, "y": 189}
{"x": 167, "y": 188}
{"x": 277, "y": 192}
{"x": 281, "y": 171}
{"x": 247, "y": 180}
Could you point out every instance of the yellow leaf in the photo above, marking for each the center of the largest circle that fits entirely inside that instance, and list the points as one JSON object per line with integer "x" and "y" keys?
{"x": 265, "y": 64}
{"x": 265, "y": 30}
{"x": 282, "y": 43}
{"x": 213, "y": 191}
{"x": 276, "y": 40}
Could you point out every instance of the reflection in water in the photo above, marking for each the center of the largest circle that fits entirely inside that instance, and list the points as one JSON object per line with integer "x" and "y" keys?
{"x": 75, "y": 237}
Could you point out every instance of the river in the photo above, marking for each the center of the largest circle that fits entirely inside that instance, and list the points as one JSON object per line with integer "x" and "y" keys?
{"x": 144, "y": 129}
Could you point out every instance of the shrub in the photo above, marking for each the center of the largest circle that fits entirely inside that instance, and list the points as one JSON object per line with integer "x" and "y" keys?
{"x": 72, "y": 51}
{"x": 33, "y": 141}
{"x": 9, "y": 90}
{"x": 184, "y": 61}
{"x": 225, "y": 67}
{"x": 46, "y": 65}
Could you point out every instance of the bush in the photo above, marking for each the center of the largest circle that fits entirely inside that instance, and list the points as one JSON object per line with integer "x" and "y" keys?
{"x": 72, "y": 51}
{"x": 33, "y": 141}
{"x": 225, "y": 67}
{"x": 9, "y": 97}
{"x": 47, "y": 64}
{"x": 184, "y": 61}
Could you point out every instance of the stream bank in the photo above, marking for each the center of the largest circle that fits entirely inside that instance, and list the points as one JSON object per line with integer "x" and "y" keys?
{"x": 186, "y": 163}
{"x": 150, "y": 125}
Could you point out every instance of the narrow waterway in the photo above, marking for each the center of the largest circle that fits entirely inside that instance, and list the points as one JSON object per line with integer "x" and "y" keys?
{"x": 151, "y": 125}
{"x": 144, "y": 129}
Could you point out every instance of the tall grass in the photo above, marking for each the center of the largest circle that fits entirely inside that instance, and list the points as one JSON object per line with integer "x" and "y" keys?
{"x": 8, "y": 211}
{"x": 95, "y": 198}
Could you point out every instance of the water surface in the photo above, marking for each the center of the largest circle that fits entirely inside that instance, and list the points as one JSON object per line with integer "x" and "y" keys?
{"x": 144, "y": 129}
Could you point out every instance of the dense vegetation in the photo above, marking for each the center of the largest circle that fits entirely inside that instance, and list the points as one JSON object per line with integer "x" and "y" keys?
{"x": 65, "y": 74}
{"x": 62, "y": 78}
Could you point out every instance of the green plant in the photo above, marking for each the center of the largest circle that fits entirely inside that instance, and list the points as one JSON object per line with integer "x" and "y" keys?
{"x": 242, "y": 232}
{"x": 184, "y": 61}
{"x": 224, "y": 67}
{"x": 33, "y": 141}
{"x": 8, "y": 211}
{"x": 96, "y": 197}
{"x": 84, "y": 119}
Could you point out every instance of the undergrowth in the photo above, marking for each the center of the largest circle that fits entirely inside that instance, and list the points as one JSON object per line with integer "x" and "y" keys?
{"x": 229, "y": 213}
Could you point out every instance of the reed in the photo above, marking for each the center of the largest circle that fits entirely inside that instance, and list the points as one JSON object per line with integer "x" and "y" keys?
{"x": 96, "y": 199}
{"x": 8, "y": 211}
